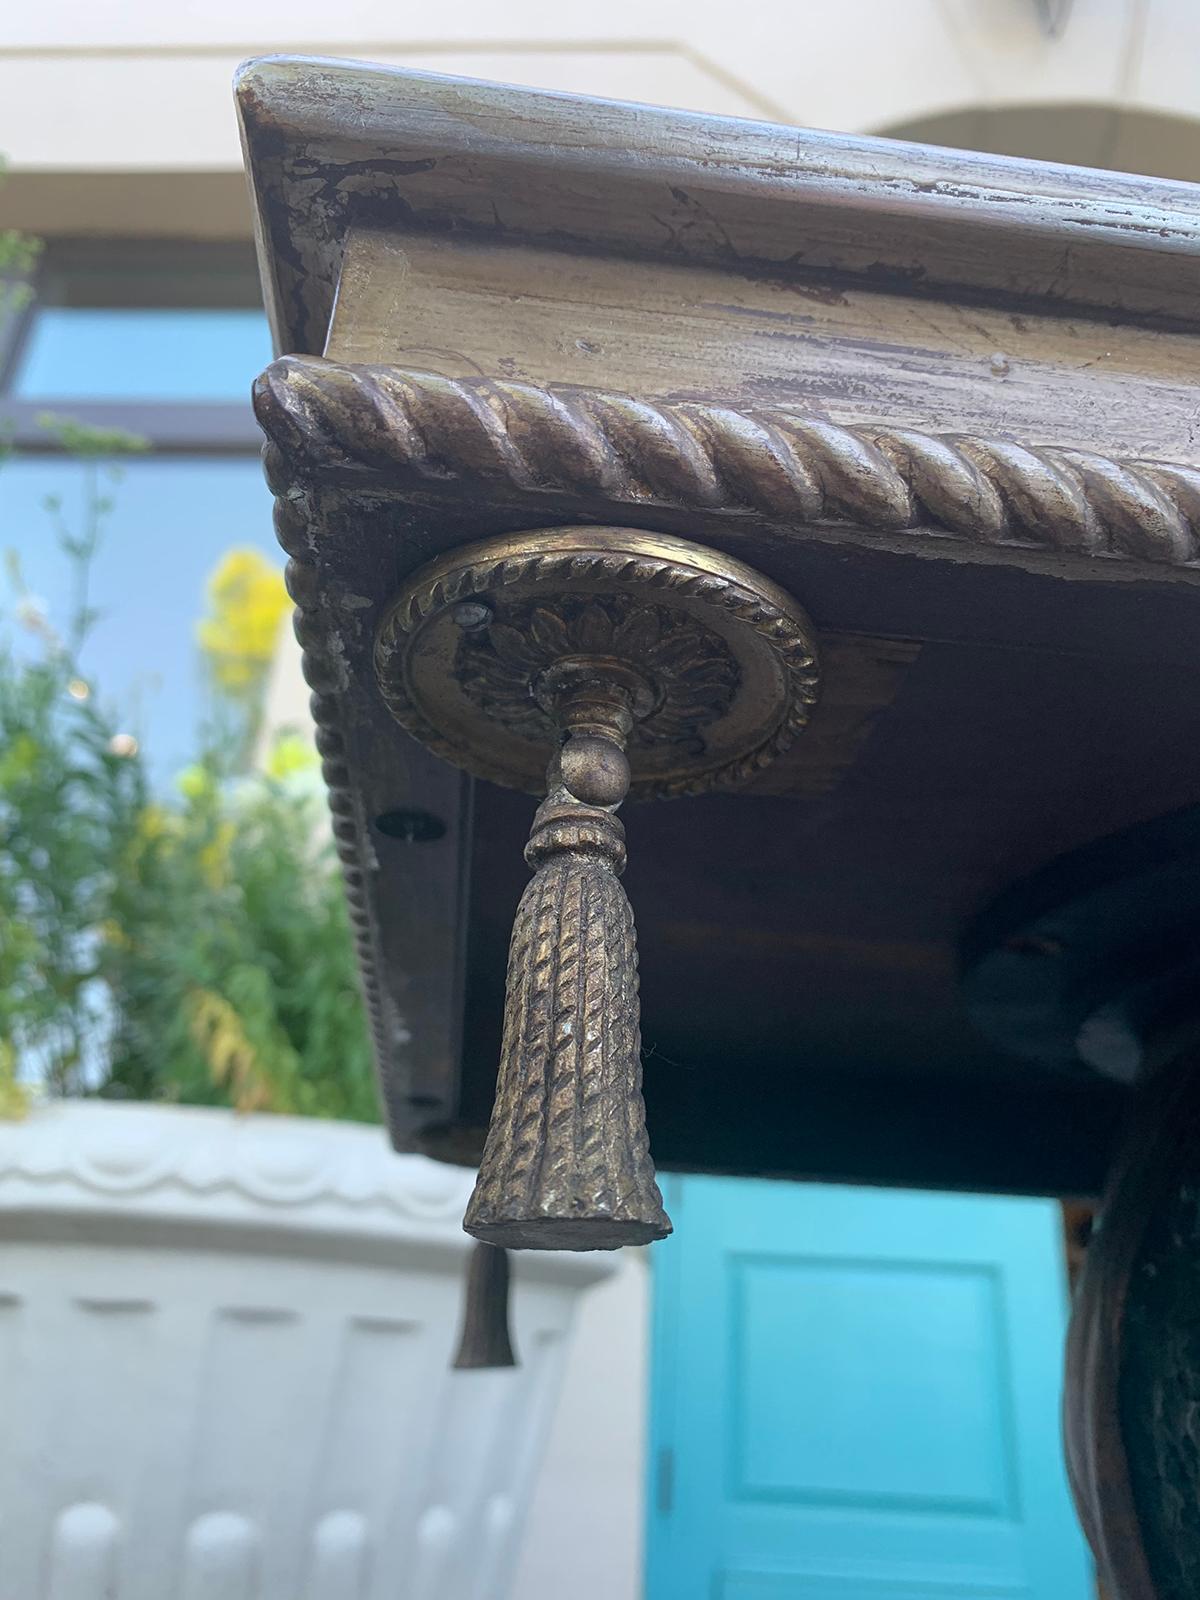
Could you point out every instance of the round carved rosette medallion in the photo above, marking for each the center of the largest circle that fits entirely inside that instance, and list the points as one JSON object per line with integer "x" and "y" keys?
{"x": 717, "y": 665}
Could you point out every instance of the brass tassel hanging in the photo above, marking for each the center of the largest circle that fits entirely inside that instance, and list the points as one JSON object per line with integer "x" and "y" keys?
{"x": 487, "y": 655}
{"x": 484, "y": 1339}
{"x": 567, "y": 1161}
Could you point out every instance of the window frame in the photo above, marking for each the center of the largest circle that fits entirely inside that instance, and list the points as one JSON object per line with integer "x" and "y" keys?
{"x": 128, "y": 273}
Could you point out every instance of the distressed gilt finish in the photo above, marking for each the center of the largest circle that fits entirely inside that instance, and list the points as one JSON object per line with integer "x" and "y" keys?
{"x": 321, "y": 672}
{"x": 946, "y": 399}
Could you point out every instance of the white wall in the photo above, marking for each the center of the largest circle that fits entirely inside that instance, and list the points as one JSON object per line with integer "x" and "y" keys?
{"x": 584, "y": 1534}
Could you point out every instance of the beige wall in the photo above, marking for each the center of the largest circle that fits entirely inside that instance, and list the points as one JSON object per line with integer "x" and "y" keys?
{"x": 135, "y": 87}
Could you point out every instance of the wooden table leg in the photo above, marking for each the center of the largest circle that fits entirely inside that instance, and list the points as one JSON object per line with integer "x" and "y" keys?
{"x": 1133, "y": 1363}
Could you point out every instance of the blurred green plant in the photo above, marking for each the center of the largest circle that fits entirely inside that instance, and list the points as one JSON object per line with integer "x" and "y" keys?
{"x": 228, "y": 955}
{"x": 67, "y": 796}
{"x": 194, "y": 948}
{"x": 18, "y": 256}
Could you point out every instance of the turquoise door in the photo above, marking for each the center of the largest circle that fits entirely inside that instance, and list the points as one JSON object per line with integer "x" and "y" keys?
{"x": 856, "y": 1397}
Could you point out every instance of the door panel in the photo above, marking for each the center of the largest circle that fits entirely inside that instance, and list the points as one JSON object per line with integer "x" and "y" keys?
{"x": 764, "y": 1586}
{"x": 856, "y": 1398}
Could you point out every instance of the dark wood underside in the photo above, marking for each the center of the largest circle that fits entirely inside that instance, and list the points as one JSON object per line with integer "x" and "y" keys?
{"x": 800, "y": 950}
{"x": 996, "y": 696}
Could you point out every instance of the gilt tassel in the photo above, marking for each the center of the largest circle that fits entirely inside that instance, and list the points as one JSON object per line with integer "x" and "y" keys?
{"x": 484, "y": 1339}
{"x": 567, "y": 1161}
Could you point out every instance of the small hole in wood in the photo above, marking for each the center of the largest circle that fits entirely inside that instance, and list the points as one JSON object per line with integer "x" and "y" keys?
{"x": 1035, "y": 944}
{"x": 410, "y": 827}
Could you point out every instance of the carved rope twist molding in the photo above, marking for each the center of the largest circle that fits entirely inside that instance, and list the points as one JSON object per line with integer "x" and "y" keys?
{"x": 321, "y": 672}
{"x": 790, "y": 644}
{"x": 697, "y": 455}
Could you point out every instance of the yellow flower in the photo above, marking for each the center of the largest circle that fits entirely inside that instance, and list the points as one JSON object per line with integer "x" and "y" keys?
{"x": 14, "y": 1097}
{"x": 247, "y": 601}
{"x": 289, "y": 755}
{"x": 194, "y": 782}
{"x": 233, "y": 1062}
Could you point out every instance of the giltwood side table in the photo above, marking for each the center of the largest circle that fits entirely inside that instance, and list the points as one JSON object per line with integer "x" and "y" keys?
{"x": 837, "y": 503}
